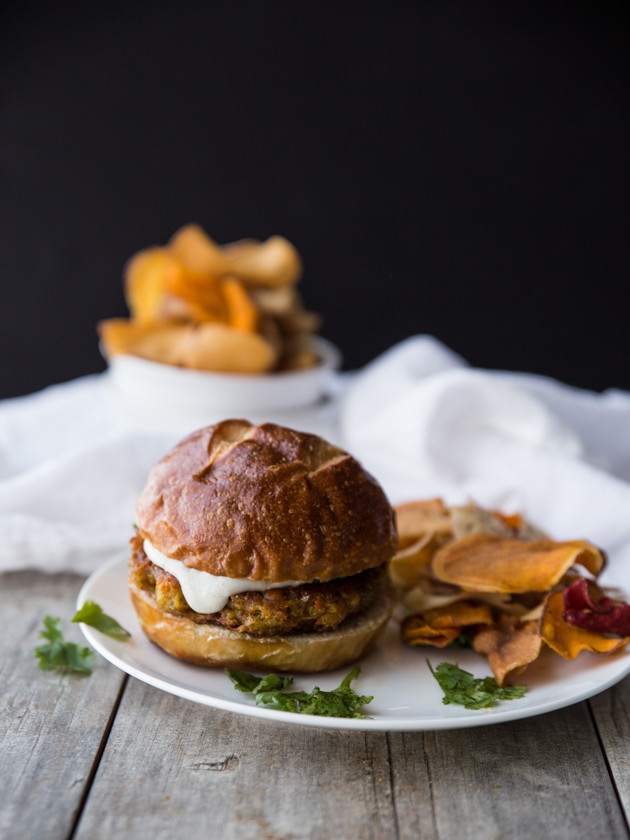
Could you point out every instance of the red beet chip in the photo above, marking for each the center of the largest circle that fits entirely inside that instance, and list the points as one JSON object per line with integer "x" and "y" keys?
{"x": 586, "y": 606}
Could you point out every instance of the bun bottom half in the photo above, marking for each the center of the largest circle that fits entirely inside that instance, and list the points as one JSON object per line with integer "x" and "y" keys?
{"x": 216, "y": 646}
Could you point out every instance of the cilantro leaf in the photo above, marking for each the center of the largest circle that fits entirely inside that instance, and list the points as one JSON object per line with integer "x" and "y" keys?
{"x": 61, "y": 655}
{"x": 463, "y": 688}
{"x": 511, "y": 692}
{"x": 269, "y": 691}
{"x": 249, "y": 684}
{"x": 92, "y": 614}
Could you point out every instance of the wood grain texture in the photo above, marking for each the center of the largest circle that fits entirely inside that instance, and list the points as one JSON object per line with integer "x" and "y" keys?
{"x": 171, "y": 763}
{"x": 51, "y": 725}
{"x": 611, "y": 712}
{"x": 541, "y": 777}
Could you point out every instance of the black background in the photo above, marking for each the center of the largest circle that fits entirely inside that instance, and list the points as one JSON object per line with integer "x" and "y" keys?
{"x": 459, "y": 169}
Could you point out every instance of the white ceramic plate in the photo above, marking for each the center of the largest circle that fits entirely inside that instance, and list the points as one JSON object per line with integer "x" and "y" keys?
{"x": 406, "y": 695}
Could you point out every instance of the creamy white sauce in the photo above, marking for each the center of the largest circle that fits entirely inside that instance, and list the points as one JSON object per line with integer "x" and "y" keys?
{"x": 206, "y": 593}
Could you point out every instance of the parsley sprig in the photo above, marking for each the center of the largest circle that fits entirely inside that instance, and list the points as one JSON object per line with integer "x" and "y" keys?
{"x": 472, "y": 692}
{"x": 269, "y": 691}
{"x": 91, "y": 613}
{"x": 58, "y": 654}
{"x": 61, "y": 655}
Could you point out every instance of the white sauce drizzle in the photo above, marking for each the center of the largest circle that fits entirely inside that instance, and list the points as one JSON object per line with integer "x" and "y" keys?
{"x": 206, "y": 593}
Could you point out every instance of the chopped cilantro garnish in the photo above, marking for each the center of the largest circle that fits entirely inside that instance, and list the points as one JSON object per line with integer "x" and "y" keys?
{"x": 269, "y": 691}
{"x": 61, "y": 655}
{"x": 463, "y": 688}
{"x": 92, "y": 614}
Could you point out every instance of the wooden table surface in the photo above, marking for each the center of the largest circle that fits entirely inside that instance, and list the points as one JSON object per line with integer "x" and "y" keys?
{"x": 109, "y": 757}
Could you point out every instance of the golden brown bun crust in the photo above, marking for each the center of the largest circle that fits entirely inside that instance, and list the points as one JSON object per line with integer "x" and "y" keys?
{"x": 208, "y": 644}
{"x": 266, "y": 503}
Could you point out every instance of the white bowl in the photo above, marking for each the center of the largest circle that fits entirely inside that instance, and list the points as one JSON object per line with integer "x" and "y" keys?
{"x": 169, "y": 394}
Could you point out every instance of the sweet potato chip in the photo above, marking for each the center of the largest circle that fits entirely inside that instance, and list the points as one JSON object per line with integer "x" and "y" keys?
{"x": 145, "y": 282}
{"x": 209, "y": 346}
{"x": 567, "y": 639}
{"x": 514, "y": 521}
{"x": 427, "y": 595}
{"x": 472, "y": 519}
{"x": 487, "y": 563}
{"x": 280, "y": 301}
{"x": 202, "y": 292}
{"x": 220, "y": 347}
{"x": 412, "y": 563}
{"x": 272, "y": 263}
{"x": 160, "y": 343}
{"x": 420, "y": 633}
{"x": 510, "y": 646}
{"x": 192, "y": 246}
{"x": 521, "y": 527}
{"x": 241, "y": 310}
{"x": 418, "y": 600}
{"x": 417, "y": 520}
{"x": 441, "y": 626}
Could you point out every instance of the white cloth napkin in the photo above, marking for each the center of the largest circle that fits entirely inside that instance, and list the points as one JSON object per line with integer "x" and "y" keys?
{"x": 72, "y": 461}
{"x": 70, "y": 472}
{"x": 428, "y": 425}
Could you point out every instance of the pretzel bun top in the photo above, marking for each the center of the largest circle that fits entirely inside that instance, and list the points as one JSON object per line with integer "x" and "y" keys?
{"x": 266, "y": 503}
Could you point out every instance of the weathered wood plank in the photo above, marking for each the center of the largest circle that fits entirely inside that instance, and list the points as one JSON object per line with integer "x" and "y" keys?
{"x": 541, "y": 777}
{"x": 169, "y": 762}
{"x": 51, "y": 725}
{"x": 611, "y": 711}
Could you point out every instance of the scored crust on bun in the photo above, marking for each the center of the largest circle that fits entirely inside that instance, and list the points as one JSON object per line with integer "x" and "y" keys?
{"x": 262, "y": 546}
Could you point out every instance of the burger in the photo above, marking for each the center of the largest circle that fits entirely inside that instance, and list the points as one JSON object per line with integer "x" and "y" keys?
{"x": 262, "y": 546}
